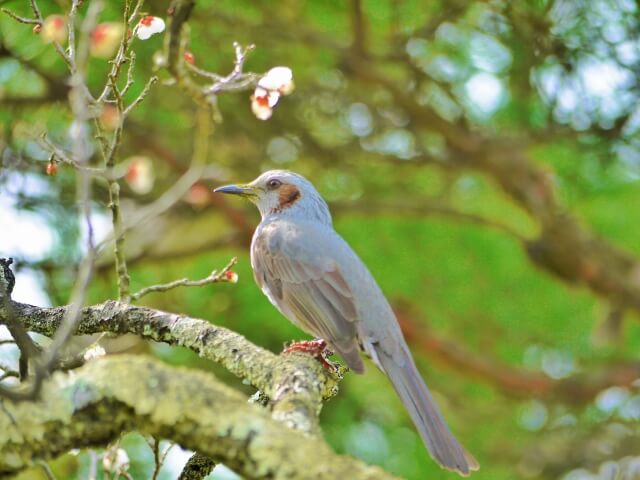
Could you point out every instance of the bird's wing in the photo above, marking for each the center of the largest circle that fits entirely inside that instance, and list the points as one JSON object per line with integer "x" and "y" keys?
{"x": 297, "y": 272}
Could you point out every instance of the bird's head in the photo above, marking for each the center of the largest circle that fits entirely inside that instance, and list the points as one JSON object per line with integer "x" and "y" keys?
{"x": 282, "y": 193}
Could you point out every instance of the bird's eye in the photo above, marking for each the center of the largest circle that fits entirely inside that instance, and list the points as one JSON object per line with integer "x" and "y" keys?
{"x": 273, "y": 184}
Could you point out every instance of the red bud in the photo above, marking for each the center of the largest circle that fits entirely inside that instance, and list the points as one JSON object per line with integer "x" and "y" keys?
{"x": 52, "y": 168}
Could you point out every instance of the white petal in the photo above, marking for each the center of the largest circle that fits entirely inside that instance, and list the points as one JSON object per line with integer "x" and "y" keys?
{"x": 262, "y": 112}
{"x": 157, "y": 25}
{"x": 287, "y": 88}
{"x": 148, "y": 26}
{"x": 275, "y": 78}
{"x": 273, "y": 98}
{"x": 278, "y": 79}
{"x": 143, "y": 33}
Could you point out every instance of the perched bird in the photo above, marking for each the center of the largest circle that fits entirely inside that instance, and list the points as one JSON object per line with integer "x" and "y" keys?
{"x": 314, "y": 278}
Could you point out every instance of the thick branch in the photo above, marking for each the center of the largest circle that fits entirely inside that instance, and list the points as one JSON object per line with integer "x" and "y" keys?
{"x": 197, "y": 467}
{"x": 295, "y": 383}
{"x": 181, "y": 10}
{"x": 122, "y": 393}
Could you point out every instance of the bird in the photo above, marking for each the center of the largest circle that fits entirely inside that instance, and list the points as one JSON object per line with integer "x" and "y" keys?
{"x": 316, "y": 280}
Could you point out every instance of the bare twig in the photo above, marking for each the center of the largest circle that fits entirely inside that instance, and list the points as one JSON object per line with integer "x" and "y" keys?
{"x": 130, "y": 70}
{"x": 35, "y": 9}
{"x": 110, "y": 151}
{"x": 159, "y": 458}
{"x": 236, "y": 79}
{"x": 221, "y": 276}
{"x": 121, "y": 263}
{"x": 38, "y": 20}
{"x": 175, "y": 48}
{"x": 140, "y": 97}
{"x": 123, "y": 51}
{"x": 154, "y": 444}
{"x": 204, "y": 73}
{"x": 18, "y": 18}
{"x": 60, "y": 155}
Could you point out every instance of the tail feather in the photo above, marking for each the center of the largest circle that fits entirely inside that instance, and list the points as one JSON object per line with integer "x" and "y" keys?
{"x": 417, "y": 399}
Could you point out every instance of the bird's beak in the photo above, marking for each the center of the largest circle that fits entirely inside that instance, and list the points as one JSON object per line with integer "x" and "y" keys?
{"x": 242, "y": 190}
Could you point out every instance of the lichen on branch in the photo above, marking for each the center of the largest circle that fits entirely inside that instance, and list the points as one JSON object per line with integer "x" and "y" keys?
{"x": 296, "y": 384}
{"x": 111, "y": 395}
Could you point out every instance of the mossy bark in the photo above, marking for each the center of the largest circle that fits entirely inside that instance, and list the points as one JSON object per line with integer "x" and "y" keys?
{"x": 94, "y": 404}
{"x": 296, "y": 384}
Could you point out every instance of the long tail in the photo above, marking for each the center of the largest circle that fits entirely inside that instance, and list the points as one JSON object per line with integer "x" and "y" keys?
{"x": 417, "y": 399}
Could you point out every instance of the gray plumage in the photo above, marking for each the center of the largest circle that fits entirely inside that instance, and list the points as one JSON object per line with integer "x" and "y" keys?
{"x": 318, "y": 282}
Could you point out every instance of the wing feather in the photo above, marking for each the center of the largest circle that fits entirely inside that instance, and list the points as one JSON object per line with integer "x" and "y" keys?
{"x": 308, "y": 288}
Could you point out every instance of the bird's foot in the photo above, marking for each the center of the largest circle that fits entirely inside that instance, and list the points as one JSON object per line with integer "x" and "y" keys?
{"x": 316, "y": 348}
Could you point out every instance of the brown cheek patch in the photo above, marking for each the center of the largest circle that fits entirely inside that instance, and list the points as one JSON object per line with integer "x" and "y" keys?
{"x": 287, "y": 196}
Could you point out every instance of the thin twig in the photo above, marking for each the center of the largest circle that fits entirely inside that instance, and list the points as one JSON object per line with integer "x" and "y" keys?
{"x": 35, "y": 9}
{"x": 121, "y": 56}
{"x": 18, "y": 18}
{"x": 61, "y": 155}
{"x": 155, "y": 448}
{"x": 204, "y": 73}
{"x": 38, "y": 20}
{"x": 221, "y": 276}
{"x": 175, "y": 47}
{"x": 158, "y": 458}
{"x": 130, "y": 69}
{"x": 236, "y": 74}
{"x": 140, "y": 97}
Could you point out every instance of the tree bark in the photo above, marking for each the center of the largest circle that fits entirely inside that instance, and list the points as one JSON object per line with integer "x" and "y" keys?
{"x": 93, "y": 405}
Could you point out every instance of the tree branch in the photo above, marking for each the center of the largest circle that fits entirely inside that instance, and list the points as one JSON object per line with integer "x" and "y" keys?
{"x": 295, "y": 383}
{"x": 197, "y": 467}
{"x": 112, "y": 395}
{"x": 214, "y": 277}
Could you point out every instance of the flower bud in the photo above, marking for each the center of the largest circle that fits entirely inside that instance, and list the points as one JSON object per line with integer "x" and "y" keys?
{"x": 105, "y": 39}
{"x": 54, "y": 29}
{"x": 140, "y": 176}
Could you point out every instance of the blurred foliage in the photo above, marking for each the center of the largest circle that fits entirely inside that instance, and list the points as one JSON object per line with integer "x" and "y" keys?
{"x": 559, "y": 79}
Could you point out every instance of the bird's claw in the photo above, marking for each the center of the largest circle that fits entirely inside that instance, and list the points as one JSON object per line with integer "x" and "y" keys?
{"x": 316, "y": 348}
